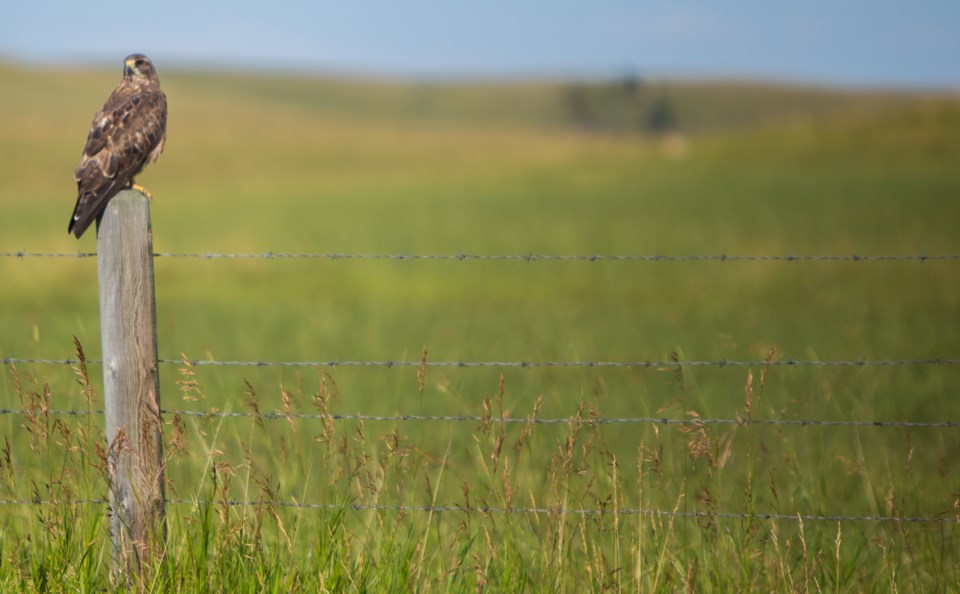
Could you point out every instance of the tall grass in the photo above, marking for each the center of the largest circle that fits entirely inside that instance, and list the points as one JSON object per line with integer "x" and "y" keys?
{"x": 487, "y": 506}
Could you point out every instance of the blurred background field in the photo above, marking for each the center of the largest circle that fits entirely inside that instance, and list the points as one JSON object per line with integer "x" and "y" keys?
{"x": 283, "y": 163}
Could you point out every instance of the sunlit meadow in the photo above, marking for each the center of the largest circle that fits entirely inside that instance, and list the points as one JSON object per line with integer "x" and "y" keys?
{"x": 522, "y": 485}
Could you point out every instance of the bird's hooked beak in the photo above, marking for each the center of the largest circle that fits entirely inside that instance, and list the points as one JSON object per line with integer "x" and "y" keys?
{"x": 128, "y": 65}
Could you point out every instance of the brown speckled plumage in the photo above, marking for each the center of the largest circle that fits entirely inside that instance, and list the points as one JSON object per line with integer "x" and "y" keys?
{"x": 127, "y": 132}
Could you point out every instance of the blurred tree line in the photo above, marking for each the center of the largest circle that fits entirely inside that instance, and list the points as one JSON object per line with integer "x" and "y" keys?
{"x": 627, "y": 104}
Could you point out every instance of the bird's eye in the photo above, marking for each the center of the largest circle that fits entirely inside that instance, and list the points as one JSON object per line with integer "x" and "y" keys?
{"x": 138, "y": 63}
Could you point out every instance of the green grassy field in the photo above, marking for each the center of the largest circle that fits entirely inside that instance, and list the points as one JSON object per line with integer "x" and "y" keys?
{"x": 256, "y": 164}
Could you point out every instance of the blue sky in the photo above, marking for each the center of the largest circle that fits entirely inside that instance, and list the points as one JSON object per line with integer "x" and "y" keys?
{"x": 910, "y": 43}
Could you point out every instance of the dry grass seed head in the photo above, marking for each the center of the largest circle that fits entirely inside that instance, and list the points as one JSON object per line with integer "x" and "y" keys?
{"x": 427, "y": 486}
{"x": 83, "y": 376}
{"x": 706, "y": 517}
{"x": 677, "y": 370}
{"x": 724, "y": 450}
{"x": 507, "y": 486}
{"x": 8, "y": 476}
{"x": 699, "y": 444}
{"x": 466, "y": 499}
{"x": 251, "y": 402}
{"x": 37, "y": 412}
{"x": 189, "y": 384}
{"x": 178, "y": 435}
{"x": 51, "y": 521}
{"x": 17, "y": 387}
{"x": 527, "y": 430}
{"x": 766, "y": 367}
{"x": 117, "y": 448}
{"x": 358, "y": 434}
{"x": 690, "y": 584}
{"x": 485, "y": 418}
{"x": 456, "y": 560}
{"x": 326, "y": 392}
{"x": 495, "y": 451}
{"x": 286, "y": 400}
{"x": 773, "y": 488}
{"x": 479, "y": 573}
{"x": 269, "y": 494}
{"x": 65, "y": 441}
{"x": 653, "y": 456}
{"x": 392, "y": 442}
{"x": 221, "y": 473}
{"x": 100, "y": 461}
{"x": 422, "y": 369}
{"x": 890, "y": 500}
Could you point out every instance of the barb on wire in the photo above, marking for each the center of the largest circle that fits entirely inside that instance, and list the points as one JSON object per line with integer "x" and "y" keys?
{"x": 529, "y": 257}
{"x": 561, "y": 511}
{"x": 519, "y": 364}
{"x": 278, "y": 416}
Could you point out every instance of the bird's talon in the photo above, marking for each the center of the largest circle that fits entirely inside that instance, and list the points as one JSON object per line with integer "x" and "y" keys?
{"x": 140, "y": 188}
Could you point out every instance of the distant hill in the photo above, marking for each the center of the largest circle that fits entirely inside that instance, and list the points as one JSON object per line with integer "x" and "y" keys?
{"x": 629, "y": 105}
{"x": 626, "y": 105}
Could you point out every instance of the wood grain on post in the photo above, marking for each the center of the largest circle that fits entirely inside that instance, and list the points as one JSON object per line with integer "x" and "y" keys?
{"x": 131, "y": 383}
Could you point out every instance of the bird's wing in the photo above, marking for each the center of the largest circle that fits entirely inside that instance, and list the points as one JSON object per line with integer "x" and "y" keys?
{"x": 124, "y": 134}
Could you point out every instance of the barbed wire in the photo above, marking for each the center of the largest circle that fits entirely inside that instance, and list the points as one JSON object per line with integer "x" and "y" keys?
{"x": 282, "y": 416}
{"x": 529, "y": 257}
{"x": 586, "y": 420}
{"x": 21, "y": 255}
{"x": 482, "y": 509}
{"x": 581, "y": 511}
{"x": 519, "y": 364}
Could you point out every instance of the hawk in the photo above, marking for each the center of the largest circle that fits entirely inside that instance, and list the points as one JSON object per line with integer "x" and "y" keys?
{"x": 128, "y": 131}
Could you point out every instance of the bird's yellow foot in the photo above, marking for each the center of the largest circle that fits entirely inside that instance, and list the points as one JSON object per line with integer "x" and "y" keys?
{"x": 145, "y": 191}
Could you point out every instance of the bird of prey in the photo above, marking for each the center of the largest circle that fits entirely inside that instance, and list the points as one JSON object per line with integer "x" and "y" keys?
{"x": 128, "y": 131}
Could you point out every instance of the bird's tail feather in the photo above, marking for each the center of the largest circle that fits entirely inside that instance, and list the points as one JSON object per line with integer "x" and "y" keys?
{"x": 90, "y": 204}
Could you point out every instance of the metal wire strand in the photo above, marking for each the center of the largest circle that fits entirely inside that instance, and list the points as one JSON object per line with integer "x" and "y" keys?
{"x": 529, "y": 257}
{"x": 403, "y": 418}
{"x": 514, "y": 364}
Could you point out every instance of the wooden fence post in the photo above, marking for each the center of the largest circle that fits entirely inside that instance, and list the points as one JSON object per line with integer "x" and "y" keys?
{"x": 131, "y": 383}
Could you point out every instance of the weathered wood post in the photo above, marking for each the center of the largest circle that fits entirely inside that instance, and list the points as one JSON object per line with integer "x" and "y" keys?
{"x": 131, "y": 383}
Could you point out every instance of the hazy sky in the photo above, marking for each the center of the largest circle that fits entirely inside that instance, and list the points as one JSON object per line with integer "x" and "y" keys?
{"x": 846, "y": 42}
